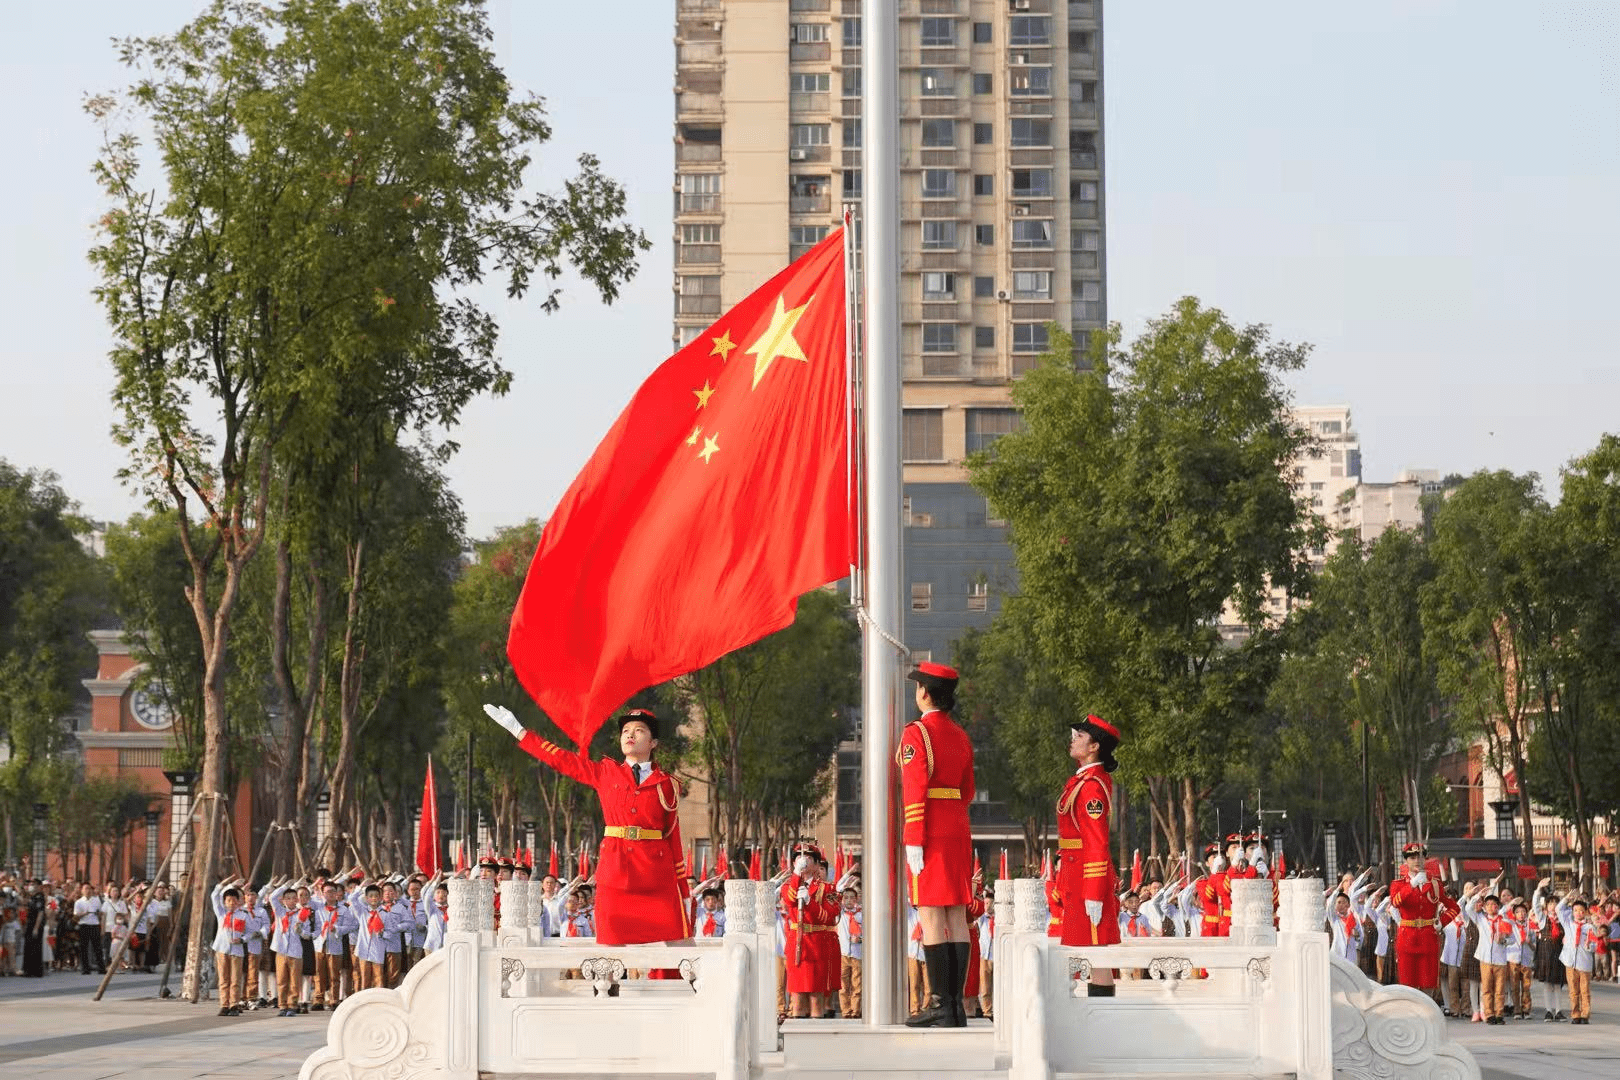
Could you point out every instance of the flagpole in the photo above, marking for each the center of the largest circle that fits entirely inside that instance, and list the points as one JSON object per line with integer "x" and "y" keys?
{"x": 882, "y": 709}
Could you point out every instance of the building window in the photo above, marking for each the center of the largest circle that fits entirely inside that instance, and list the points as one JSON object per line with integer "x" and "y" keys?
{"x": 922, "y": 595}
{"x": 978, "y": 596}
{"x": 984, "y": 184}
{"x": 806, "y": 83}
{"x": 921, "y": 656}
{"x": 985, "y": 426}
{"x": 812, "y": 134}
{"x": 1087, "y": 240}
{"x": 1032, "y": 284}
{"x": 937, "y": 82}
{"x": 938, "y": 32}
{"x": 700, "y": 234}
{"x": 700, "y": 193}
{"x": 981, "y": 33}
{"x": 1083, "y": 190}
{"x": 1032, "y": 183}
{"x": 922, "y": 435}
{"x": 938, "y": 184}
{"x": 852, "y": 33}
{"x": 938, "y": 286}
{"x": 1031, "y": 234}
{"x": 984, "y": 338}
{"x": 984, "y": 288}
{"x": 905, "y": 509}
{"x": 939, "y": 133}
{"x": 1029, "y": 30}
{"x": 140, "y": 758}
{"x": 1090, "y": 291}
{"x": 700, "y": 294}
{"x": 984, "y": 134}
{"x": 1029, "y": 337}
{"x": 808, "y": 33}
{"x": 981, "y": 83}
{"x": 806, "y": 235}
{"x": 851, "y": 82}
{"x": 939, "y": 235}
{"x": 939, "y": 337}
{"x": 852, "y": 134}
{"x": 984, "y": 235}
{"x": 852, "y": 183}
{"x": 1027, "y": 131}
{"x": 689, "y": 334}
{"x": 1031, "y": 82}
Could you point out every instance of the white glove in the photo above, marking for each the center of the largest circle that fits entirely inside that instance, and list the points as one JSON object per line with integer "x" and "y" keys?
{"x": 801, "y": 864}
{"x": 804, "y": 894}
{"x": 1220, "y": 860}
{"x": 1094, "y": 911}
{"x": 1419, "y": 879}
{"x": 503, "y": 716}
{"x": 914, "y": 858}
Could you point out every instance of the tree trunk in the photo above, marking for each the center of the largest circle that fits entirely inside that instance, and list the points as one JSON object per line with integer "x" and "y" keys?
{"x": 1189, "y": 809}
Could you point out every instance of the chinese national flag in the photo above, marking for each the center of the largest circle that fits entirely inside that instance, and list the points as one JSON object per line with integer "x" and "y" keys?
{"x": 719, "y": 496}
{"x": 427, "y": 836}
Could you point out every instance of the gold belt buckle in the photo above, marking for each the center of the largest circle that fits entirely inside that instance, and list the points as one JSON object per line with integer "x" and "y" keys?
{"x": 632, "y": 832}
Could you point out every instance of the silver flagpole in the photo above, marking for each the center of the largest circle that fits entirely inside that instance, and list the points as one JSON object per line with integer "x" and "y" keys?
{"x": 882, "y": 710}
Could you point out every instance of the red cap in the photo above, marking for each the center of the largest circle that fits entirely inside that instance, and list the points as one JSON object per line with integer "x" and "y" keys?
{"x": 934, "y": 671}
{"x": 1103, "y": 725}
{"x": 1414, "y": 848}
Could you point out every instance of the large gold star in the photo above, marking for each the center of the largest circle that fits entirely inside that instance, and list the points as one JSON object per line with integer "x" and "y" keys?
{"x": 723, "y": 345}
{"x": 711, "y": 447}
{"x": 704, "y": 394}
{"x": 777, "y": 340}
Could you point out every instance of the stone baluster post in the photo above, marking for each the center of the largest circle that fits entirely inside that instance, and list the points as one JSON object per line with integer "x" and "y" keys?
{"x": 468, "y": 908}
{"x": 1252, "y": 915}
{"x": 514, "y": 913}
{"x": 1301, "y": 977}
{"x": 537, "y": 910}
{"x": 751, "y": 925}
{"x": 1005, "y": 923}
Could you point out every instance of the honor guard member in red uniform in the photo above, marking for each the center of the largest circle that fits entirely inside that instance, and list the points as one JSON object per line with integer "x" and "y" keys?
{"x": 1209, "y": 892}
{"x": 1086, "y": 875}
{"x": 640, "y": 870}
{"x": 811, "y": 953}
{"x": 1422, "y": 902}
{"x": 936, "y": 785}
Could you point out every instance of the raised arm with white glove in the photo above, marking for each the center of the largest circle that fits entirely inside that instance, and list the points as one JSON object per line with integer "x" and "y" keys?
{"x": 504, "y": 717}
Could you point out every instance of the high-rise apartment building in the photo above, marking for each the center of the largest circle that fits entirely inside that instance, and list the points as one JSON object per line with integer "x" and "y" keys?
{"x": 1001, "y": 189}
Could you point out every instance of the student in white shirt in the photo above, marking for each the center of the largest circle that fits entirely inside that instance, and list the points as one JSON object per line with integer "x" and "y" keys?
{"x": 332, "y": 917}
{"x": 1451, "y": 980}
{"x": 711, "y": 917}
{"x": 849, "y": 948}
{"x": 438, "y": 916}
{"x": 1581, "y": 936}
{"x": 1344, "y": 926}
{"x": 87, "y": 921}
{"x": 1496, "y": 936}
{"x": 227, "y": 945}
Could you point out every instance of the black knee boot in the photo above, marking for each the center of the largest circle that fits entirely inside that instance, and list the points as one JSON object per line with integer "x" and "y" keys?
{"x": 961, "y": 953}
{"x": 1093, "y": 990}
{"x": 937, "y": 1011}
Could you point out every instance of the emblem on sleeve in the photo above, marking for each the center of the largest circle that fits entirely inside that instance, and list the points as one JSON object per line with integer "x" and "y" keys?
{"x": 907, "y": 752}
{"x": 1094, "y": 807}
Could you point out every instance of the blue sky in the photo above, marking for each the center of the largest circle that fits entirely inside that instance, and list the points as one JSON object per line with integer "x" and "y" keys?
{"x": 1427, "y": 191}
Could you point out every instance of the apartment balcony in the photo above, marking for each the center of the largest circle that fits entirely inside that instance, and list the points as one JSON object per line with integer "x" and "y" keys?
{"x": 1088, "y": 311}
{"x": 694, "y": 104}
{"x": 692, "y": 203}
{"x": 698, "y": 53}
{"x": 709, "y": 8}
{"x": 1033, "y": 259}
{"x": 938, "y": 366}
{"x": 1082, "y": 110}
{"x": 810, "y": 153}
{"x": 811, "y": 102}
{"x": 1082, "y": 11}
{"x": 1083, "y": 60}
{"x": 1083, "y": 260}
{"x": 934, "y": 56}
{"x": 916, "y": 9}
{"x": 1031, "y": 105}
{"x": 810, "y": 204}
{"x": 960, "y": 108}
{"x": 810, "y": 51}
{"x": 697, "y": 254}
{"x": 697, "y": 305}
{"x": 1032, "y": 156}
{"x": 690, "y": 153}
{"x": 1082, "y": 159}
{"x": 1032, "y": 311}
{"x": 810, "y": 5}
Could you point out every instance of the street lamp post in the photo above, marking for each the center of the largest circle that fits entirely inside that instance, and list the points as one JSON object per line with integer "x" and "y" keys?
{"x": 180, "y": 821}
{"x": 1330, "y": 850}
{"x": 528, "y": 837}
{"x": 1504, "y": 810}
{"x": 151, "y": 844}
{"x": 1399, "y": 827}
{"x": 41, "y": 810}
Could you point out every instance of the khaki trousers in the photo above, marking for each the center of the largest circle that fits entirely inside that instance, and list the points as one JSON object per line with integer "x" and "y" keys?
{"x": 1492, "y": 984}
{"x": 916, "y": 985}
{"x": 781, "y": 986}
{"x": 849, "y": 987}
{"x": 1451, "y": 983}
{"x": 229, "y": 970}
{"x": 1580, "y": 993}
{"x": 288, "y": 969}
{"x": 393, "y": 969}
{"x": 987, "y": 986}
{"x": 328, "y": 978}
{"x": 370, "y": 974}
{"x": 1520, "y": 978}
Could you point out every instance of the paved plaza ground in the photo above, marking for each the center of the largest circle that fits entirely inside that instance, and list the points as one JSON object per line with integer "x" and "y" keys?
{"x": 50, "y": 1029}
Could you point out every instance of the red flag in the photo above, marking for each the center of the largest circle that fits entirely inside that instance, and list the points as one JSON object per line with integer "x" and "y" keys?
{"x": 754, "y": 868}
{"x": 1003, "y": 864}
{"x": 978, "y": 870}
{"x": 551, "y": 868}
{"x": 584, "y": 861}
{"x": 722, "y": 864}
{"x": 719, "y": 496}
{"x": 427, "y": 835}
{"x": 1282, "y": 864}
{"x": 1136, "y": 869}
{"x": 461, "y": 855}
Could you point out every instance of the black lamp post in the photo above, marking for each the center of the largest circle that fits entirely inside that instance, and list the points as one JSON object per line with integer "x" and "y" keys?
{"x": 151, "y": 844}
{"x": 1330, "y": 850}
{"x": 41, "y": 811}
{"x": 1399, "y": 828}
{"x": 179, "y": 820}
{"x": 1504, "y": 810}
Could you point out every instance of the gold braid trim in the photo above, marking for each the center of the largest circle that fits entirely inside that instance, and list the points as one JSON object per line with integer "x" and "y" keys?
{"x": 928, "y": 747}
{"x": 674, "y": 800}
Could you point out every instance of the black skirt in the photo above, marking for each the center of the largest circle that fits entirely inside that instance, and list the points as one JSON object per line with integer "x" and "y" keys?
{"x": 1549, "y": 969}
{"x": 308, "y": 966}
{"x": 1470, "y": 964}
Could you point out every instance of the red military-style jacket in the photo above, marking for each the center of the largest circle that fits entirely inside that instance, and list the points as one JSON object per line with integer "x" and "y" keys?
{"x": 936, "y": 785}
{"x": 1085, "y": 864}
{"x": 641, "y": 890}
{"x": 811, "y": 938}
{"x": 1209, "y": 902}
{"x": 1420, "y": 907}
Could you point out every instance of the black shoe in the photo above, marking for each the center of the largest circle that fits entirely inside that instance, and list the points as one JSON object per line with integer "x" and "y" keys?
{"x": 1560, "y": 1016}
{"x": 302, "y": 1010}
{"x": 937, "y": 1013}
{"x": 1093, "y": 990}
{"x": 317, "y": 1007}
{"x": 1546, "y": 1016}
{"x": 223, "y": 1011}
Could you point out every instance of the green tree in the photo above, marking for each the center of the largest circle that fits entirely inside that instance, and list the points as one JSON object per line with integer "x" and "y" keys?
{"x": 1478, "y": 613}
{"x": 51, "y": 592}
{"x": 337, "y": 178}
{"x": 1143, "y": 495}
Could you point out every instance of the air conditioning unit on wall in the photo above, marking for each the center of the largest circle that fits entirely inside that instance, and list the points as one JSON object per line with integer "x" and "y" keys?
{"x": 796, "y": 154}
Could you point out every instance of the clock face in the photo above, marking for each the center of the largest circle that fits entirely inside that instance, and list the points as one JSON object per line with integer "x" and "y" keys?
{"x": 148, "y": 708}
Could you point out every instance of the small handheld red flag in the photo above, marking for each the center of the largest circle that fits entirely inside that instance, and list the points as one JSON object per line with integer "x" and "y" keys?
{"x": 427, "y": 835}
{"x": 754, "y": 868}
{"x": 1136, "y": 869}
{"x": 723, "y": 864}
{"x": 551, "y": 867}
{"x": 978, "y": 869}
{"x": 717, "y": 499}
{"x": 1003, "y": 864}
{"x": 461, "y": 855}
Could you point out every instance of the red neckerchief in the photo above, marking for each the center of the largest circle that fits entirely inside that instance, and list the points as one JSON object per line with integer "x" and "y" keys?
{"x": 708, "y": 925}
{"x": 375, "y": 923}
{"x": 1350, "y": 926}
{"x": 237, "y": 923}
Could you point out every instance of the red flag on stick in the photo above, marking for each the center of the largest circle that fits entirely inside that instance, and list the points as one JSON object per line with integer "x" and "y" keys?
{"x": 1136, "y": 869}
{"x": 551, "y": 868}
{"x": 978, "y": 870}
{"x": 1003, "y": 864}
{"x": 718, "y": 498}
{"x": 723, "y": 864}
{"x": 584, "y": 861}
{"x": 461, "y": 855}
{"x": 754, "y": 867}
{"x": 427, "y": 836}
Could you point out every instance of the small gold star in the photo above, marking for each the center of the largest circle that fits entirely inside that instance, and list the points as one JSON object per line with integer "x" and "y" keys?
{"x": 691, "y": 440}
{"x": 704, "y": 394}
{"x": 710, "y": 447}
{"x": 723, "y": 345}
{"x": 777, "y": 340}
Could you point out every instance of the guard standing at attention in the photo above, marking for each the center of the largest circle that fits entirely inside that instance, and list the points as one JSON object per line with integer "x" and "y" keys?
{"x": 1087, "y": 879}
{"x": 936, "y": 784}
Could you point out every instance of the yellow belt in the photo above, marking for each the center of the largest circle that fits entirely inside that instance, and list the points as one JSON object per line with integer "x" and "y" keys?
{"x": 1071, "y": 845}
{"x": 809, "y": 928}
{"x": 1419, "y": 922}
{"x": 944, "y": 793}
{"x": 632, "y": 832}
